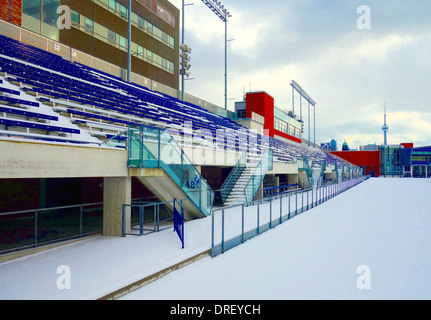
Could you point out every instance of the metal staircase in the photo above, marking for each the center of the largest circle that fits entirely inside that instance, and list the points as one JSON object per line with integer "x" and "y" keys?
{"x": 237, "y": 194}
{"x": 246, "y": 178}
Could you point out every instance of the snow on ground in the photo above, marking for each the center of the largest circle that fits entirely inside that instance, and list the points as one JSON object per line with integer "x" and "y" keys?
{"x": 382, "y": 224}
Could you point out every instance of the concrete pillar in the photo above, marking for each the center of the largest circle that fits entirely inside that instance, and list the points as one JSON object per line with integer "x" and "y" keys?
{"x": 292, "y": 179}
{"x": 276, "y": 181}
{"x": 116, "y": 192}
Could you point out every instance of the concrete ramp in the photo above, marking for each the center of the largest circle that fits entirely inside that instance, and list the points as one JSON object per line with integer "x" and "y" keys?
{"x": 162, "y": 186}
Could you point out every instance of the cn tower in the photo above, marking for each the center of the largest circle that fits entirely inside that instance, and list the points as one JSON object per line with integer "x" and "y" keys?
{"x": 385, "y": 129}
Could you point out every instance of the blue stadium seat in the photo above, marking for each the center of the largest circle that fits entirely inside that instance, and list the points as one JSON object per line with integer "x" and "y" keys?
{"x": 26, "y": 113}
{"x": 34, "y": 125}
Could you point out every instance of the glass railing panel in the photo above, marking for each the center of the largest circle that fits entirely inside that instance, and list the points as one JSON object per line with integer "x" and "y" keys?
{"x": 253, "y": 185}
{"x": 159, "y": 149}
{"x": 134, "y": 149}
{"x": 151, "y": 142}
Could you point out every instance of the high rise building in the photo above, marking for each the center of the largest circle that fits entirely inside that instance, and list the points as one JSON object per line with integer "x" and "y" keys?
{"x": 100, "y": 28}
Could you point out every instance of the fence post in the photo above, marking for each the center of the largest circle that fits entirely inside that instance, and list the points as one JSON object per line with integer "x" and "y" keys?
{"x": 258, "y": 214}
{"x": 81, "y": 211}
{"x": 123, "y": 231}
{"x": 312, "y": 202}
{"x": 281, "y": 209}
{"x": 158, "y": 216}
{"x": 141, "y": 220}
{"x": 270, "y": 213}
{"x": 242, "y": 223}
{"x": 302, "y": 200}
{"x": 212, "y": 234}
{"x": 222, "y": 231}
{"x": 36, "y": 217}
{"x": 288, "y": 204}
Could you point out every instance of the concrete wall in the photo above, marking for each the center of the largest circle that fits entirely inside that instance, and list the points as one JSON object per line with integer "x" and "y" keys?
{"x": 40, "y": 160}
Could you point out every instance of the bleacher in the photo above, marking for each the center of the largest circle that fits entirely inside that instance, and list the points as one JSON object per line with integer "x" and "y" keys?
{"x": 44, "y": 97}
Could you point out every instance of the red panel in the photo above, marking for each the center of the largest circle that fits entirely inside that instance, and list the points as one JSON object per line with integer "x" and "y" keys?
{"x": 368, "y": 159}
{"x": 10, "y": 10}
{"x": 263, "y": 104}
{"x": 408, "y": 145}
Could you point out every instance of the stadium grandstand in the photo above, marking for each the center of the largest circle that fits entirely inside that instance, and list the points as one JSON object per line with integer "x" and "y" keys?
{"x": 85, "y": 152}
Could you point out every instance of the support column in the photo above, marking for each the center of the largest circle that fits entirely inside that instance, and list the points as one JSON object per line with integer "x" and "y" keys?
{"x": 116, "y": 192}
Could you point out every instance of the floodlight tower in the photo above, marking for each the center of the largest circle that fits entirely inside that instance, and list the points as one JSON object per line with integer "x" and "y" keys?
{"x": 223, "y": 14}
{"x": 385, "y": 129}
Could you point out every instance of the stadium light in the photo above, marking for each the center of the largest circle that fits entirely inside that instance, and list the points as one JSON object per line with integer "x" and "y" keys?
{"x": 185, "y": 56}
{"x": 221, "y": 12}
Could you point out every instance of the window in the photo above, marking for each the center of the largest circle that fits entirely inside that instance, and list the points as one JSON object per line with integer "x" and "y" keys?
{"x": 141, "y": 22}
{"x": 40, "y": 16}
{"x": 123, "y": 43}
{"x": 123, "y": 11}
{"x": 149, "y": 27}
{"x": 75, "y": 18}
{"x": 113, "y": 5}
{"x": 111, "y": 37}
{"x": 140, "y": 52}
{"x": 149, "y": 55}
{"x": 89, "y": 25}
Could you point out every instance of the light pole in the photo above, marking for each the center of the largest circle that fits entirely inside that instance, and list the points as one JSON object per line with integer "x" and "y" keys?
{"x": 129, "y": 41}
{"x": 185, "y": 54}
{"x": 223, "y": 14}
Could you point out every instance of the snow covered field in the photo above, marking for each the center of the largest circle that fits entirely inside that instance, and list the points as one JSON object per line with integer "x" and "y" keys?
{"x": 370, "y": 242}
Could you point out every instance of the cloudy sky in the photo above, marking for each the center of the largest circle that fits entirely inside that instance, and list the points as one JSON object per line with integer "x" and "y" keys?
{"x": 350, "y": 72}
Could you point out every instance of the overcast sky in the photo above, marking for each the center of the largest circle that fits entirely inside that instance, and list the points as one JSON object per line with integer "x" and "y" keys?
{"x": 350, "y": 72}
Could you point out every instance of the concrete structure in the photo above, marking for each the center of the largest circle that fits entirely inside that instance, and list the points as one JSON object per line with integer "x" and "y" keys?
{"x": 73, "y": 135}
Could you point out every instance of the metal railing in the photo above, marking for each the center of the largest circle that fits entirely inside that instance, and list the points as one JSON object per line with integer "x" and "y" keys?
{"x": 250, "y": 219}
{"x": 33, "y": 228}
{"x": 233, "y": 177}
{"x": 146, "y": 218}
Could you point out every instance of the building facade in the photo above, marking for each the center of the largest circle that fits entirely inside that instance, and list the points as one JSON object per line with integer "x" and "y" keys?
{"x": 259, "y": 107}
{"x": 100, "y": 28}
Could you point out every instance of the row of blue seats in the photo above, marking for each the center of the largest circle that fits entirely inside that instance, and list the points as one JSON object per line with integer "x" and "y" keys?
{"x": 34, "y": 125}
{"x": 12, "y": 101}
{"x": 26, "y": 113}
